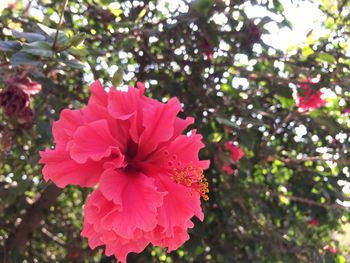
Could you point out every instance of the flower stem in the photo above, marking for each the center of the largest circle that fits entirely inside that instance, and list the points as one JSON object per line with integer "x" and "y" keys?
{"x": 63, "y": 7}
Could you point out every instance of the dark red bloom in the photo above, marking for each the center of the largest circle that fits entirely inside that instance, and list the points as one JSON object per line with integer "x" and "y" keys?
{"x": 254, "y": 33}
{"x": 25, "y": 116}
{"x": 25, "y": 84}
{"x": 207, "y": 48}
{"x": 73, "y": 254}
{"x": 312, "y": 222}
{"x": 13, "y": 100}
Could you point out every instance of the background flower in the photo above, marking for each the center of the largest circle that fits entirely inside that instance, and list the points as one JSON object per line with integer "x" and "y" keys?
{"x": 310, "y": 99}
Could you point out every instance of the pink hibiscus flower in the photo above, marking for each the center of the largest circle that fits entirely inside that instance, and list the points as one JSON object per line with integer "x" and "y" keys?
{"x": 236, "y": 153}
{"x": 149, "y": 176}
{"x": 310, "y": 100}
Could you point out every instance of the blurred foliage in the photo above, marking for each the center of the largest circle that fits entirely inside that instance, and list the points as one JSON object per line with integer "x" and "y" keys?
{"x": 237, "y": 87}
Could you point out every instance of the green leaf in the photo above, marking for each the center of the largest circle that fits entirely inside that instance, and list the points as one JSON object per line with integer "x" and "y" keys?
{"x": 73, "y": 63}
{"x": 117, "y": 78}
{"x": 202, "y": 6}
{"x": 215, "y": 137}
{"x": 264, "y": 21}
{"x": 279, "y": 7}
{"x": 78, "y": 51}
{"x": 328, "y": 124}
{"x": 77, "y": 39}
{"x": 142, "y": 13}
{"x": 39, "y": 48}
{"x": 326, "y": 57}
{"x": 31, "y": 37}
{"x": 284, "y": 91}
{"x": 287, "y": 103}
{"x": 307, "y": 51}
{"x": 247, "y": 138}
{"x": 21, "y": 58}
{"x": 47, "y": 30}
{"x": 227, "y": 123}
{"x": 62, "y": 40}
{"x": 104, "y": 2}
{"x": 10, "y": 46}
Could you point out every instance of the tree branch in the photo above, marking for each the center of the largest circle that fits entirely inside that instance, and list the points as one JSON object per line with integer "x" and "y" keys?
{"x": 30, "y": 221}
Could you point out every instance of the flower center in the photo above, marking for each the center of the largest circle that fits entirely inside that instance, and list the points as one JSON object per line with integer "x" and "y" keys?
{"x": 192, "y": 177}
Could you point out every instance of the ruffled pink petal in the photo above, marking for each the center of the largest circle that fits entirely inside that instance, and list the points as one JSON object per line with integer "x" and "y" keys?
{"x": 179, "y": 206}
{"x": 96, "y": 208}
{"x": 119, "y": 129}
{"x": 93, "y": 237}
{"x": 138, "y": 197}
{"x": 127, "y": 106}
{"x": 181, "y": 124}
{"x": 123, "y": 105}
{"x": 32, "y": 88}
{"x": 172, "y": 242}
{"x": 62, "y": 170}
{"x": 180, "y": 153}
{"x": 121, "y": 247}
{"x": 64, "y": 128}
{"x": 99, "y": 95}
{"x": 92, "y": 141}
{"x": 159, "y": 126}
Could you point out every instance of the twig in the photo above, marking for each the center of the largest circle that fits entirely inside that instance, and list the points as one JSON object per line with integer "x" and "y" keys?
{"x": 289, "y": 160}
{"x": 306, "y": 201}
{"x": 25, "y": 10}
{"x": 53, "y": 237}
{"x": 314, "y": 159}
{"x": 63, "y": 7}
{"x": 289, "y": 117}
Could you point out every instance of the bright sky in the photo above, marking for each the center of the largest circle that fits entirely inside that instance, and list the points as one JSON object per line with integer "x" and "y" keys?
{"x": 303, "y": 15}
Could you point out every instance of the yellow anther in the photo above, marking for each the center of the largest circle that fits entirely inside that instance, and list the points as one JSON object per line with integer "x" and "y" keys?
{"x": 192, "y": 177}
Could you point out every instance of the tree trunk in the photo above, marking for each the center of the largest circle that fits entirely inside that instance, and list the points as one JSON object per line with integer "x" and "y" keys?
{"x": 17, "y": 240}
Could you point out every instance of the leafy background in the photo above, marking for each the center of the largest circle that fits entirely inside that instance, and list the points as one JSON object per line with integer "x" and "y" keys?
{"x": 296, "y": 164}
